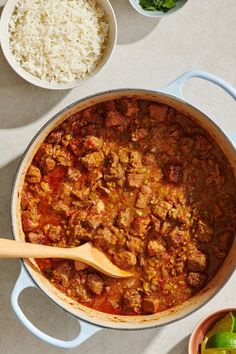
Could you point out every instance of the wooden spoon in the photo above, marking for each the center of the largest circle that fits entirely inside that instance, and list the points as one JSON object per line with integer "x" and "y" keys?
{"x": 86, "y": 253}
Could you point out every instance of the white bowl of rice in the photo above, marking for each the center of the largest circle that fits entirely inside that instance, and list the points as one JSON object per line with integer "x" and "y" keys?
{"x": 58, "y": 44}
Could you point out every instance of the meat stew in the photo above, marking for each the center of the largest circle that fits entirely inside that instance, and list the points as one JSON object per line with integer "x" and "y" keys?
{"x": 146, "y": 185}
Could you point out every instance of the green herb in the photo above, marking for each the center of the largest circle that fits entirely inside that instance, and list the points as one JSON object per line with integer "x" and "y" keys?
{"x": 159, "y": 5}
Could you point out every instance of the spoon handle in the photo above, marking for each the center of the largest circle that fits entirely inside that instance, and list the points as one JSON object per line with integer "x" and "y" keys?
{"x": 86, "y": 253}
{"x": 20, "y": 249}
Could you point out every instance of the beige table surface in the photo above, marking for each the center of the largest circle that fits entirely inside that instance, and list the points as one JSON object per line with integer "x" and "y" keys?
{"x": 149, "y": 54}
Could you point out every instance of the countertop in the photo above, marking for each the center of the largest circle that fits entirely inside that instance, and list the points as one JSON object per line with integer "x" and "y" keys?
{"x": 149, "y": 54}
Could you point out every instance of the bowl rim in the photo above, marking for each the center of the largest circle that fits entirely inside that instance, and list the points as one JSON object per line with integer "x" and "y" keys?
{"x": 10, "y": 58}
{"x": 155, "y": 14}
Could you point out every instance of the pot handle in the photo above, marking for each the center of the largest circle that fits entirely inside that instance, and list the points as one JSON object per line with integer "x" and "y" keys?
{"x": 175, "y": 88}
{"x": 86, "y": 329}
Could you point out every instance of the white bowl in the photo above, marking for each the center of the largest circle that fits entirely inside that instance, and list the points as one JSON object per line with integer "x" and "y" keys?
{"x": 138, "y": 8}
{"x": 4, "y": 39}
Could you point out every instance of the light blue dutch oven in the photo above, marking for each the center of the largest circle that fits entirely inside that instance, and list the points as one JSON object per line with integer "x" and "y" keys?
{"x": 90, "y": 320}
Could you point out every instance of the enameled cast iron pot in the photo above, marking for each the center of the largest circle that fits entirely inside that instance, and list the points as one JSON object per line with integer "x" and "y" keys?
{"x": 90, "y": 320}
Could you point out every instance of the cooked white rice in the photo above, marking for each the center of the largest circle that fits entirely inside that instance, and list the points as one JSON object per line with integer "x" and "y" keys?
{"x": 58, "y": 40}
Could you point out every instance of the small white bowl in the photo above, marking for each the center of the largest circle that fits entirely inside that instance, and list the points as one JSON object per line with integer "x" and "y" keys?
{"x": 138, "y": 8}
{"x": 4, "y": 39}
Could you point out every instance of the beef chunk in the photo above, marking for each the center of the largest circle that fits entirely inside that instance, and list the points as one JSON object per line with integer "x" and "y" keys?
{"x": 177, "y": 237}
{"x": 55, "y": 137}
{"x": 112, "y": 160}
{"x": 116, "y": 120}
{"x": 217, "y": 211}
{"x": 80, "y": 265}
{"x": 166, "y": 228}
{"x": 139, "y": 226}
{"x": 26, "y": 199}
{"x": 135, "y": 180}
{"x": 76, "y": 279}
{"x": 90, "y": 115}
{"x": 93, "y": 220}
{"x": 114, "y": 169}
{"x": 30, "y": 219}
{"x": 54, "y": 233}
{"x": 103, "y": 190}
{"x": 155, "y": 248}
{"x": 62, "y": 155}
{"x": 149, "y": 159}
{"x": 123, "y": 155}
{"x": 39, "y": 238}
{"x": 95, "y": 176}
{"x": 90, "y": 129}
{"x": 150, "y": 304}
{"x": 204, "y": 232}
{"x": 136, "y": 245}
{"x": 109, "y": 105}
{"x": 155, "y": 225}
{"x": 73, "y": 174}
{"x": 181, "y": 214}
{"x": 33, "y": 174}
{"x": 173, "y": 173}
{"x": 48, "y": 164}
{"x": 214, "y": 174}
{"x": 62, "y": 208}
{"x": 161, "y": 209}
{"x": 224, "y": 240}
{"x": 92, "y": 160}
{"x": 92, "y": 143}
{"x": 144, "y": 197}
{"x": 158, "y": 111}
{"x": 98, "y": 207}
{"x": 114, "y": 301}
{"x": 201, "y": 143}
{"x": 132, "y": 300}
{"x": 124, "y": 219}
{"x": 81, "y": 194}
{"x": 104, "y": 239}
{"x": 197, "y": 261}
{"x": 186, "y": 145}
{"x": 125, "y": 259}
{"x": 62, "y": 272}
{"x": 133, "y": 283}
{"x": 129, "y": 106}
{"x": 81, "y": 233}
{"x": 135, "y": 160}
{"x": 139, "y": 134}
{"x": 74, "y": 146}
{"x": 196, "y": 280}
{"x": 82, "y": 294}
{"x": 95, "y": 283}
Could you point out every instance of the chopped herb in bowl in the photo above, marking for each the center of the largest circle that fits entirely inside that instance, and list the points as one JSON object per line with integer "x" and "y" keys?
{"x": 158, "y": 5}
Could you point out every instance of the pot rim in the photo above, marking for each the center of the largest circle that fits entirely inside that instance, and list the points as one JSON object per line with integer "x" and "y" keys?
{"x": 14, "y": 187}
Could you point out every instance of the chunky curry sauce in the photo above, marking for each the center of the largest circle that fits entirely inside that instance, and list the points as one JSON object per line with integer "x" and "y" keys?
{"x": 147, "y": 186}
